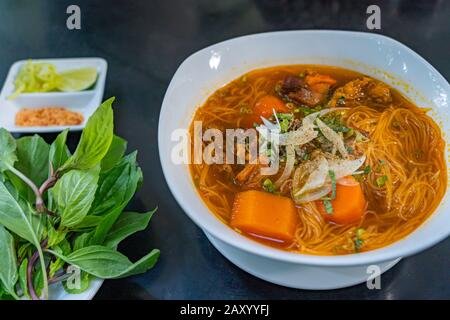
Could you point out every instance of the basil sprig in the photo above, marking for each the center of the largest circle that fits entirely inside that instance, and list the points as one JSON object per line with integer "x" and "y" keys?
{"x": 59, "y": 209}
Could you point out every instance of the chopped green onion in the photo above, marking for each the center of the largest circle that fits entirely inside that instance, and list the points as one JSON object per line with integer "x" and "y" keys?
{"x": 380, "y": 181}
{"x": 367, "y": 170}
{"x": 350, "y": 132}
{"x": 287, "y": 116}
{"x": 328, "y": 206}
{"x": 358, "y": 242}
{"x": 333, "y": 186}
{"x": 268, "y": 186}
{"x": 285, "y": 121}
{"x": 359, "y": 232}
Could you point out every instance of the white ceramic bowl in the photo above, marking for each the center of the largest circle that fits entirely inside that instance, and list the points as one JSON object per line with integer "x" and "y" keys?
{"x": 372, "y": 54}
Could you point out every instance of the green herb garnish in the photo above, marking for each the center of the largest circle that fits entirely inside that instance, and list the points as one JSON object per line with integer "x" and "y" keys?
{"x": 59, "y": 207}
{"x": 333, "y": 186}
{"x": 269, "y": 186}
{"x": 305, "y": 109}
{"x": 328, "y": 206}
{"x": 381, "y": 181}
{"x": 285, "y": 121}
{"x": 358, "y": 242}
{"x": 367, "y": 170}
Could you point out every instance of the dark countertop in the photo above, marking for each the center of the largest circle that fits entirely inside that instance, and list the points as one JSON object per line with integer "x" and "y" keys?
{"x": 144, "y": 42}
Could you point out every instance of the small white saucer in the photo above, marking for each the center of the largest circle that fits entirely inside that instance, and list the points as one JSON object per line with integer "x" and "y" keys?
{"x": 294, "y": 275}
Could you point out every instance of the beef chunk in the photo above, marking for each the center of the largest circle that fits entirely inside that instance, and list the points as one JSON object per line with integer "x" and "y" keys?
{"x": 310, "y": 91}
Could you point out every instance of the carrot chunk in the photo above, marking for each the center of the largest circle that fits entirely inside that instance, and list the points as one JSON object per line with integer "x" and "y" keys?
{"x": 264, "y": 108}
{"x": 264, "y": 215}
{"x": 348, "y": 206}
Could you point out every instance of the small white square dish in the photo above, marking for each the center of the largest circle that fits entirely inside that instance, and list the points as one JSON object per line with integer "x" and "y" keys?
{"x": 83, "y": 102}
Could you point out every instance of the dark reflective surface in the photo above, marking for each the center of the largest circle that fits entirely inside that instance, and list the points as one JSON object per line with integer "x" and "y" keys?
{"x": 144, "y": 42}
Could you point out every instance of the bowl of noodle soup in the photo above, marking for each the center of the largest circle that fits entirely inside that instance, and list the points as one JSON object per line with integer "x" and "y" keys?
{"x": 360, "y": 125}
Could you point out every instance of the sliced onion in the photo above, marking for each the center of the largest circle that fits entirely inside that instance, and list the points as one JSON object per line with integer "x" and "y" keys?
{"x": 333, "y": 136}
{"x": 342, "y": 168}
{"x": 309, "y": 183}
{"x": 271, "y": 126}
{"x": 298, "y": 137}
{"x": 317, "y": 177}
{"x": 313, "y": 195}
{"x": 290, "y": 161}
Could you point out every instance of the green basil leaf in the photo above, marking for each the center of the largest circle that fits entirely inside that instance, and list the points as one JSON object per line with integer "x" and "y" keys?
{"x": 38, "y": 281}
{"x": 55, "y": 266}
{"x": 59, "y": 153}
{"x": 23, "y": 282}
{"x": 117, "y": 186}
{"x": 32, "y": 161}
{"x": 54, "y": 236}
{"x": 106, "y": 263}
{"x": 32, "y": 154}
{"x": 110, "y": 205}
{"x": 82, "y": 241}
{"x": 8, "y": 261}
{"x": 95, "y": 139}
{"x": 89, "y": 221}
{"x": 10, "y": 186}
{"x": 115, "y": 153}
{"x": 64, "y": 247}
{"x": 127, "y": 224}
{"x": 25, "y": 250}
{"x": 85, "y": 282}
{"x": 19, "y": 217}
{"x": 100, "y": 232}
{"x": 73, "y": 195}
{"x": 3, "y": 294}
{"x": 8, "y": 150}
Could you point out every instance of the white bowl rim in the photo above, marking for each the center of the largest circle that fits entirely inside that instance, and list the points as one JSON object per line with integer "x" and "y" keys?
{"x": 364, "y": 258}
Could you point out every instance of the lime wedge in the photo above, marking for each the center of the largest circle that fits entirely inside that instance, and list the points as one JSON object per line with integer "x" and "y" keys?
{"x": 77, "y": 79}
